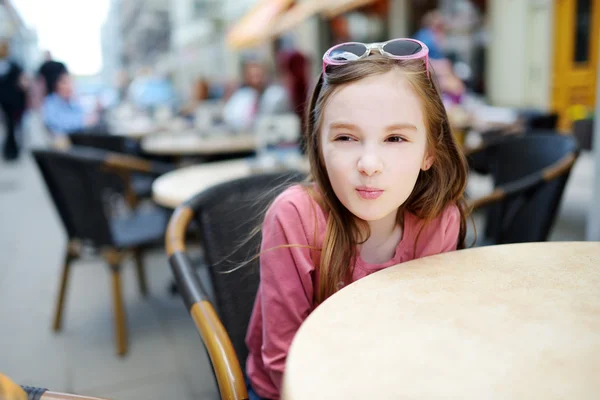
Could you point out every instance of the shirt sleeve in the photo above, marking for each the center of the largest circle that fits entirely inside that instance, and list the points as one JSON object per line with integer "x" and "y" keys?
{"x": 61, "y": 118}
{"x": 440, "y": 235}
{"x": 451, "y": 226}
{"x": 286, "y": 284}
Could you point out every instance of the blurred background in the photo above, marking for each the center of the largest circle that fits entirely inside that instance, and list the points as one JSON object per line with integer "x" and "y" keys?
{"x": 188, "y": 83}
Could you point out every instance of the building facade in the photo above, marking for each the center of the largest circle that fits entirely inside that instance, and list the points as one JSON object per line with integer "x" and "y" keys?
{"x": 111, "y": 45}
{"x": 145, "y": 32}
{"x": 23, "y": 41}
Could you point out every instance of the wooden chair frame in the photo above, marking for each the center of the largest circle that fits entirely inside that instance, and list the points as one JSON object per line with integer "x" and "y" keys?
{"x": 228, "y": 370}
{"x": 123, "y": 165}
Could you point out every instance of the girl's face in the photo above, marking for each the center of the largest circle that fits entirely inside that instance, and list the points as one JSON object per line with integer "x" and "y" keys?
{"x": 374, "y": 144}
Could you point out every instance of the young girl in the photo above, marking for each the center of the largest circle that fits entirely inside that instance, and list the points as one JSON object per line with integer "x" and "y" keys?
{"x": 387, "y": 187}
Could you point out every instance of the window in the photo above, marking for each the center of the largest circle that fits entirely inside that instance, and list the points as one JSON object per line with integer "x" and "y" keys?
{"x": 583, "y": 22}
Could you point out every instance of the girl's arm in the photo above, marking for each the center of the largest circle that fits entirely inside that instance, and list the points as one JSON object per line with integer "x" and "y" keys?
{"x": 286, "y": 282}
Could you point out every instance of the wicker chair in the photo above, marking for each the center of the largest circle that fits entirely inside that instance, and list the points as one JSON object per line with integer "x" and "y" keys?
{"x": 530, "y": 173}
{"x": 80, "y": 182}
{"x": 226, "y": 216}
{"x": 140, "y": 184}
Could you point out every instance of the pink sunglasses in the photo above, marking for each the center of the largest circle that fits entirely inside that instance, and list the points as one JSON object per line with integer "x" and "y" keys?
{"x": 397, "y": 49}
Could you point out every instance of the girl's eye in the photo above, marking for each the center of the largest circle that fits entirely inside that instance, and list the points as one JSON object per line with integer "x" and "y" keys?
{"x": 343, "y": 138}
{"x": 395, "y": 139}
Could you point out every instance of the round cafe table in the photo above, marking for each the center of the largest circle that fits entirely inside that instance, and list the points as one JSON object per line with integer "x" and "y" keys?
{"x": 175, "y": 187}
{"x": 517, "y": 321}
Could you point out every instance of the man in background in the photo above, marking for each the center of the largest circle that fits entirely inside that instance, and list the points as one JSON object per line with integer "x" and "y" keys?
{"x": 13, "y": 86}
{"x": 62, "y": 114}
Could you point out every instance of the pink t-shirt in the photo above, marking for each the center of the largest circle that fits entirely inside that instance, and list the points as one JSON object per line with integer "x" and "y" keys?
{"x": 288, "y": 276}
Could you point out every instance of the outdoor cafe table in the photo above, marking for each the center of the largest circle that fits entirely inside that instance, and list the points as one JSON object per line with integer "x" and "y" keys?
{"x": 519, "y": 321}
{"x": 191, "y": 143}
{"x": 175, "y": 187}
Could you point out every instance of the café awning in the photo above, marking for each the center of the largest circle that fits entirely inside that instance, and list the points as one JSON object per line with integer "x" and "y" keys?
{"x": 254, "y": 28}
{"x": 271, "y": 18}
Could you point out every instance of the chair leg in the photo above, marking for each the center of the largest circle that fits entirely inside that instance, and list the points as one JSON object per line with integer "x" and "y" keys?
{"x": 114, "y": 258}
{"x": 141, "y": 271}
{"x": 120, "y": 323}
{"x": 70, "y": 255}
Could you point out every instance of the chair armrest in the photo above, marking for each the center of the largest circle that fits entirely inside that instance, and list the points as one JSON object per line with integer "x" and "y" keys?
{"x": 9, "y": 390}
{"x": 527, "y": 182}
{"x": 43, "y": 394}
{"x": 129, "y": 163}
{"x": 218, "y": 344}
{"x": 480, "y": 202}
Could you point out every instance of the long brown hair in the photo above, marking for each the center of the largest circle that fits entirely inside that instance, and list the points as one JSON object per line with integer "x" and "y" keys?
{"x": 442, "y": 184}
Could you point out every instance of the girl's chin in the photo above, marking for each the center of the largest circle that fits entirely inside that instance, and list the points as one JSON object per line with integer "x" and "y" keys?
{"x": 370, "y": 216}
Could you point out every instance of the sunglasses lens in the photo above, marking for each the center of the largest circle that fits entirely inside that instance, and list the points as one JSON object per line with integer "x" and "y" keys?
{"x": 402, "y": 47}
{"x": 348, "y": 52}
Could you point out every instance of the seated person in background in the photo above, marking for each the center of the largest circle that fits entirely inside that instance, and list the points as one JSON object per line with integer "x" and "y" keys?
{"x": 200, "y": 93}
{"x": 255, "y": 96}
{"x": 48, "y": 71}
{"x": 63, "y": 115}
{"x": 433, "y": 33}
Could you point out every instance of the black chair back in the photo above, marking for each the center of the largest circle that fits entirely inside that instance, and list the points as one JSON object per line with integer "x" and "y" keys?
{"x": 80, "y": 189}
{"x": 115, "y": 143}
{"x": 227, "y": 215}
{"x": 543, "y": 121}
{"x": 528, "y": 168}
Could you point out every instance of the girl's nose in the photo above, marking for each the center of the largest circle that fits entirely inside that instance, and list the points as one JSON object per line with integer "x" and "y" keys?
{"x": 369, "y": 164}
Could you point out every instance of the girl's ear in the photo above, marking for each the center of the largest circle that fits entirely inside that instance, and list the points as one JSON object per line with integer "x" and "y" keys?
{"x": 428, "y": 160}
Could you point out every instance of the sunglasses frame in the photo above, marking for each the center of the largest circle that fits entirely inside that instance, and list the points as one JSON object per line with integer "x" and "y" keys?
{"x": 369, "y": 48}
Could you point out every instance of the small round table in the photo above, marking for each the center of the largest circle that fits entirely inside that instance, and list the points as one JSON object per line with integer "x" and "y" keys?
{"x": 175, "y": 187}
{"x": 515, "y": 321}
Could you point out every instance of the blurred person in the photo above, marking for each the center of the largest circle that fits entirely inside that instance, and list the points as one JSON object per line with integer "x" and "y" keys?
{"x": 293, "y": 67}
{"x": 294, "y": 71}
{"x": 38, "y": 87}
{"x": 149, "y": 91}
{"x": 48, "y": 71}
{"x": 13, "y": 98}
{"x": 200, "y": 93}
{"x": 433, "y": 34}
{"x": 255, "y": 96}
{"x": 62, "y": 113}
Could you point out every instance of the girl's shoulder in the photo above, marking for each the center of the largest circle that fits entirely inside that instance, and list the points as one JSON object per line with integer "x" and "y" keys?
{"x": 299, "y": 200}
{"x": 435, "y": 236}
{"x": 297, "y": 208}
{"x": 450, "y": 215}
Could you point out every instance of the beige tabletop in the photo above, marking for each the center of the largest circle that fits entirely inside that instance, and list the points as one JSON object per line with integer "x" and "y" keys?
{"x": 135, "y": 128}
{"x": 503, "y": 322}
{"x": 192, "y": 143}
{"x": 175, "y": 187}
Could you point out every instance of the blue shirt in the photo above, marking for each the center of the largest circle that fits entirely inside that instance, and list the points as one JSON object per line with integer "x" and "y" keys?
{"x": 62, "y": 116}
{"x": 426, "y": 36}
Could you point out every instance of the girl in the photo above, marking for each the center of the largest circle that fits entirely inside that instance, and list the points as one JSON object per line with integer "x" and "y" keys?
{"x": 387, "y": 187}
